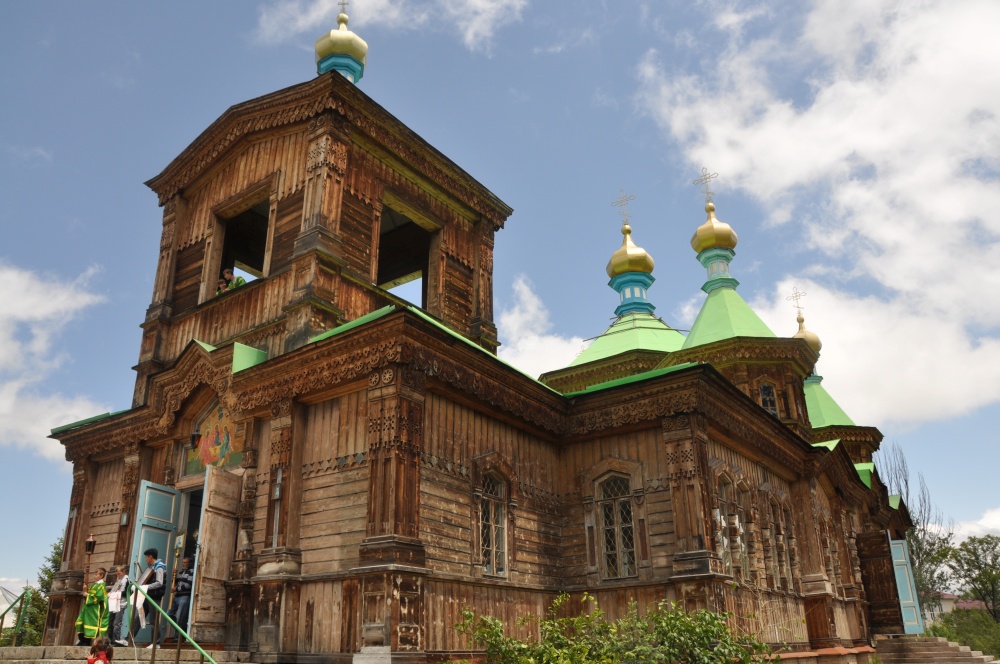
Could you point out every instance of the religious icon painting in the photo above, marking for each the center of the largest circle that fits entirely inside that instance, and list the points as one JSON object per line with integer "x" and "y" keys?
{"x": 217, "y": 446}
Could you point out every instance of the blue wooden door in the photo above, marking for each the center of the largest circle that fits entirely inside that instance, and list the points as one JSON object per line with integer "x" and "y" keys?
{"x": 913, "y": 622}
{"x": 157, "y": 512}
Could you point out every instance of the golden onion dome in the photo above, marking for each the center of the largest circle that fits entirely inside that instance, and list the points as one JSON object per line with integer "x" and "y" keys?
{"x": 342, "y": 41}
{"x": 810, "y": 337}
{"x": 713, "y": 233}
{"x": 628, "y": 257}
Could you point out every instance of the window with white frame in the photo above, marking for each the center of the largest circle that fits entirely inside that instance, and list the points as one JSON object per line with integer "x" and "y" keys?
{"x": 617, "y": 528}
{"x": 780, "y": 536}
{"x": 768, "y": 400}
{"x": 493, "y": 526}
{"x": 731, "y": 536}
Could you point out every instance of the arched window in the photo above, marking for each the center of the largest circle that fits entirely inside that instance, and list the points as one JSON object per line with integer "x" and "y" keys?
{"x": 781, "y": 565}
{"x": 617, "y": 528}
{"x": 723, "y": 542}
{"x": 493, "y": 526}
{"x": 731, "y": 520}
{"x": 768, "y": 400}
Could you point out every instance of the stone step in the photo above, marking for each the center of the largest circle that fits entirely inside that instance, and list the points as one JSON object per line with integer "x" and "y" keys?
{"x": 77, "y": 654}
{"x": 927, "y": 650}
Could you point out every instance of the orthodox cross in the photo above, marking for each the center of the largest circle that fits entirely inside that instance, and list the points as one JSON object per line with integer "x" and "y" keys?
{"x": 622, "y": 202}
{"x": 796, "y": 295}
{"x": 705, "y": 178}
{"x": 343, "y": 6}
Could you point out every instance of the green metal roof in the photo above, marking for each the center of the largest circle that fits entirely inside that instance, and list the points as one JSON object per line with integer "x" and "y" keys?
{"x": 207, "y": 347}
{"x": 725, "y": 315}
{"x": 632, "y": 331}
{"x": 894, "y": 502}
{"x": 79, "y": 423}
{"x": 828, "y": 444}
{"x": 245, "y": 357}
{"x": 823, "y": 410}
{"x": 631, "y": 379}
{"x": 378, "y": 313}
{"x": 865, "y": 471}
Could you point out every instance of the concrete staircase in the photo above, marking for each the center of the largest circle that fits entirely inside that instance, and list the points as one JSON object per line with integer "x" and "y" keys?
{"x": 926, "y": 650}
{"x": 79, "y": 654}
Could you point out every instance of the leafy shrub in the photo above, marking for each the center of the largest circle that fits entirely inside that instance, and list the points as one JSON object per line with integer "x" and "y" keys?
{"x": 665, "y": 634}
{"x": 975, "y": 629}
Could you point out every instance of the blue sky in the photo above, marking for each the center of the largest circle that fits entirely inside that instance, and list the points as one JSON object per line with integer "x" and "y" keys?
{"x": 856, "y": 143}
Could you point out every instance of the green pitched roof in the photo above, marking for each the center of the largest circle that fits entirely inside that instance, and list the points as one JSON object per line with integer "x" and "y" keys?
{"x": 633, "y": 331}
{"x": 828, "y": 444}
{"x": 823, "y": 410}
{"x": 723, "y": 316}
{"x": 865, "y": 471}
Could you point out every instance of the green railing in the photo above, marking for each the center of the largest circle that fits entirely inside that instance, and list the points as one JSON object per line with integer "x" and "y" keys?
{"x": 20, "y": 601}
{"x": 155, "y": 628}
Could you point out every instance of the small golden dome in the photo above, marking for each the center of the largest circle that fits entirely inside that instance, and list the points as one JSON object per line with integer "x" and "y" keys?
{"x": 628, "y": 257}
{"x": 713, "y": 233}
{"x": 342, "y": 41}
{"x": 810, "y": 337}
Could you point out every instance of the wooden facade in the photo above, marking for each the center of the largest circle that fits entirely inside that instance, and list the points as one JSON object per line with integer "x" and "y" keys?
{"x": 381, "y": 470}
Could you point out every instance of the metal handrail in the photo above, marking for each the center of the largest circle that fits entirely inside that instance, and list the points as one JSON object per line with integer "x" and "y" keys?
{"x": 20, "y": 600}
{"x": 180, "y": 631}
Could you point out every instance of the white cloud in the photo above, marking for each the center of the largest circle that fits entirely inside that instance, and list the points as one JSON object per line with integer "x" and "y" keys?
{"x": 34, "y": 156}
{"x": 33, "y": 312}
{"x": 987, "y": 524}
{"x": 888, "y": 166}
{"x": 524, "y": 331}
{"x": 476, "y": 21}
{"x": 883, "y": 360}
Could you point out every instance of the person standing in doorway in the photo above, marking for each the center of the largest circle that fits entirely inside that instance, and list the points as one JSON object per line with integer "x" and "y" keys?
{"x": 117, "y": 600}
{"x": 153, "y": 581}
{"x": 181, "y": 605}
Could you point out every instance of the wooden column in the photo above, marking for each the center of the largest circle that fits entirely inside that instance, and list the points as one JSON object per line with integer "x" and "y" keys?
{"x": 130, "y": 488}
{"x": 161, "y": 306}
{"x": 317, "y": 252}
{"x": 392, "y": 554}
{"x": 816, "y": 585}
{"x": 239, "y": 589}
{"x": 280, "y": 562}
{"x": 67, "y": 584}
{"x": 483, "y": 330}
{"x": 686, "y": 469}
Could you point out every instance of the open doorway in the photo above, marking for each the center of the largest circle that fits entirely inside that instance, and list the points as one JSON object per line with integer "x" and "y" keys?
{"x": 191, "y": 522}
{"x": 403, "y": 251}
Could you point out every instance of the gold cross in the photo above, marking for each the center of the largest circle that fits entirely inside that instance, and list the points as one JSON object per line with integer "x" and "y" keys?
{"x": 622, "y": 202}
{"x": 343, "y": 6}
{"x": 705, "y": 178}
{"x": 796, "y": 295}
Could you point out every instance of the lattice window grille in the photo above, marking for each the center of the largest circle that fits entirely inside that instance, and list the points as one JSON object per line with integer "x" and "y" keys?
{"x": 768, "y": 401}
{"x": 493, "y": 527}
{"x": 617, "y": 528}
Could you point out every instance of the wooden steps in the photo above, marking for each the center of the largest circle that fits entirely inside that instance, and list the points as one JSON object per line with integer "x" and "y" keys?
{"x": 926, "y": 649}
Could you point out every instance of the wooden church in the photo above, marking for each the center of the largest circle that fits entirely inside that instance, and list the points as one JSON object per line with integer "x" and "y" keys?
{"x": 350, "y": 470}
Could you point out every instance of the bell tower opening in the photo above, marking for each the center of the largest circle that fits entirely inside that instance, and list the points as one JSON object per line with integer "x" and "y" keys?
{"x": 403, "y": 250}
{"x": 244, "y": 244}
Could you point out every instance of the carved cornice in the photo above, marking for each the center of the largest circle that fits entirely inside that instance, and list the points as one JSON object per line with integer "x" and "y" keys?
{"x": 848, "y": 434}
{"x": 167, "y": 393}
{"x": 736, "y": 413}
{"x": 580, "y": 378}
{"x": 749, "y": 349}
{"x": 303, "y": 102}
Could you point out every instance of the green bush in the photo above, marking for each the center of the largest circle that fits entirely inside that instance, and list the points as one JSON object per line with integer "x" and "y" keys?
{"x": 665, "y": 634}
{"x": 973, "y": 628}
